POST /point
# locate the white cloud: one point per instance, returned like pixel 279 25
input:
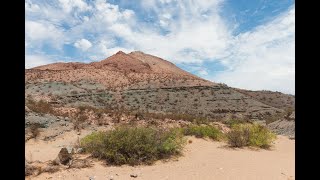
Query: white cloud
pixel 263 58
pixel 38 33
pixel 83 44
pixel 69 5
pixel 36 60
pixel 189 32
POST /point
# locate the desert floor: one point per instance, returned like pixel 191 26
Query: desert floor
pixel 202 159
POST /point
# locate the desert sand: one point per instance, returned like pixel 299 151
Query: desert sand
pixel 202 159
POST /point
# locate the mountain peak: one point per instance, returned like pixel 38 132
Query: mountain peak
pixel 121 52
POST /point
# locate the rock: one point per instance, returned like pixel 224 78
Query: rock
pixel 134 175
pixel 283 127
pixel 292 116
pixel 70 150
pixel 79 150
pixel 27 109
pixel 91 178
pixel 79 163
pixel 111 178
pixel 64 156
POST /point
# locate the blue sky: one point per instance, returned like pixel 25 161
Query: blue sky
pixel 244 43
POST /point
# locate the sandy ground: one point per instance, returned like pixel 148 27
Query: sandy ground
pixel 202 159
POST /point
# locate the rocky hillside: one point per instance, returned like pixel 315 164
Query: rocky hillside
pixel 141 82
pixel 274 99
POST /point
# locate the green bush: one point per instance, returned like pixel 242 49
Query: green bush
pixel 250 135
pixel 232 122
pixel 203 131
pixel 133 145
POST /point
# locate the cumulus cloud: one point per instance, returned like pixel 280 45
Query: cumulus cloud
pixel 39 33
pixel 263 58
pixel 69 5
pixel 83 44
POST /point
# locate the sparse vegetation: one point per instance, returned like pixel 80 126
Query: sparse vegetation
pixel 250 135
pixel 235 121
pixel 134 145
pixel 41 106
pixel 203 132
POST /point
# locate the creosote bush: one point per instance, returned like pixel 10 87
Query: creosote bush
pixel 250 135
pixel 203 132
pixel 133 145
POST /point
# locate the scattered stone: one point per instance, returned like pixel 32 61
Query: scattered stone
pixel 134 175
pixel 79 163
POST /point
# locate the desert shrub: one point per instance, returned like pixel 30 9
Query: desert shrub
pixel 232 122
pixel 200 120
pixel 272 118
pixel 78 121
pixel 41 106
pixel 277 116
pixel 133 145
pixel 74 92
pixel 250 135
pixel 203 131
pixel 34 129
pixel 238 137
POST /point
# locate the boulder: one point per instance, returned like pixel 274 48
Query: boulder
pixel 64 156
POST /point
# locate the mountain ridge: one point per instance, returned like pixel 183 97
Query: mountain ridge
pixel 139 81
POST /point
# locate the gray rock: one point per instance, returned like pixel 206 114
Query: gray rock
pixel 70 150
pixel 79 150
pixel 64 156
pixel 292 116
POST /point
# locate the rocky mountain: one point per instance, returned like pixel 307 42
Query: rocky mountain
pixel 141 82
